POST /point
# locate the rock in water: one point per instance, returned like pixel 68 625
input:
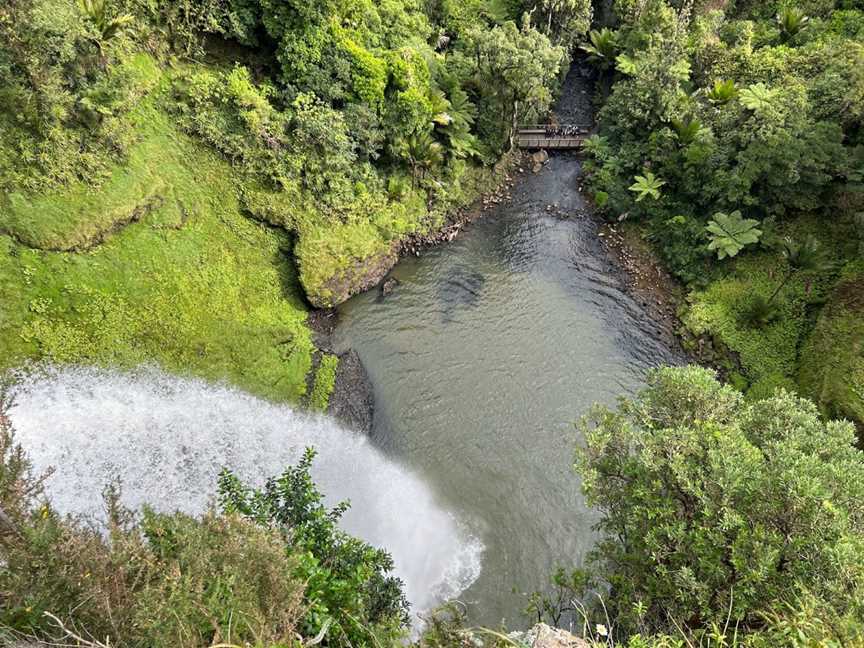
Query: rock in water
pixel 389 285
pixel 539 158
pixel 352 402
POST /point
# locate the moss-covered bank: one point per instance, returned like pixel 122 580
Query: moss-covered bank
pixel 163 262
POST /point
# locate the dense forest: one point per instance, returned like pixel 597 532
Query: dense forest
pixel 182 183
pixel 733 138
pixel 343 126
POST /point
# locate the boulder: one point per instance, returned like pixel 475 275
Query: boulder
pixel 538 159
pixel 545 636
pixel 352 402
pixel 355 277
pixel 389 285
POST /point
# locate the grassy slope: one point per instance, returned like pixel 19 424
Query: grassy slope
pixel 832 360
pixel 79 215
pixel 194 285
pixel 771 356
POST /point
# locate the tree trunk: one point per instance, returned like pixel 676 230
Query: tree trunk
pixel 780 286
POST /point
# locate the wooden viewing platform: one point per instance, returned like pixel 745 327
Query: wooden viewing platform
pixel 538 137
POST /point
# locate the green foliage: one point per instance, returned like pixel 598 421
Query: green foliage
pixel 565 22
pixel 107 26
pixel 64 94
pixel 722 92
pixel 719 312
pixel 157 580
pixel 318 108
pixel 714 508
pixel 155 182
pixel 192 285
pixel 731 233
pixel 422 152
pixel 687 130
pixel 325 380
pixel 759 311
pixel 680 241
pixel 792 21
pixel 510 70
pixel 756 97
pixel 602 47
pixel 647 186
pixel 832 358
pixel 805 258
pixel 765 129
pixel 350 594
pixel 859 226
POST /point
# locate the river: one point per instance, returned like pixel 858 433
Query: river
pixel 485 355
pixel 482 359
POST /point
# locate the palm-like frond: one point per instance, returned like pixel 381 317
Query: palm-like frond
pixel 722 92
pixel 602 47
pixel 686 129
pixel 108 26
pixel 792 21
pixel 807 256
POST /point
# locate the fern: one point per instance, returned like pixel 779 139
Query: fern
pixel 730 233
pixel 108 27
pixel 722 92
pixel 687 130
pixel 601 47
pixel 791 21
pixel 626 65
pixel 756 97
pixel 647 186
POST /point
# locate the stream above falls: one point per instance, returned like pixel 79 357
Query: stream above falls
pixel 484 356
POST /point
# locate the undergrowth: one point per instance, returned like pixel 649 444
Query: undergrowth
pixel 216 298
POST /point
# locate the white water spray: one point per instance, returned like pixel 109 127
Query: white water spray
pixel 166 438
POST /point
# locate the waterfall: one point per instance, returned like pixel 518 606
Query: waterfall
pixel 166 438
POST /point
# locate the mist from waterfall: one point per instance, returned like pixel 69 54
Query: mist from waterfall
pixel 166 438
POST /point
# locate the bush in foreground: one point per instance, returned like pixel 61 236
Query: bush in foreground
pixel 271 569
pixel 718 512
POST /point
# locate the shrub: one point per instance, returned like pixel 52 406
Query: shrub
pixel 350 593
pixel 270 569
pixel 715 508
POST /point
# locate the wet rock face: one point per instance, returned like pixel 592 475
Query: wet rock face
pixel 352 402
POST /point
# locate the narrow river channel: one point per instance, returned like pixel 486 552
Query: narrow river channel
pixel 484 356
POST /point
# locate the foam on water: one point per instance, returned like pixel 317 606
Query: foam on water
pixel 166 438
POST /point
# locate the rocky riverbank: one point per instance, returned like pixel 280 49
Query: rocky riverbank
pixel 645 278
pixel 352 399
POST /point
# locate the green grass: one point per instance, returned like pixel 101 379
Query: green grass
pixel 768 355
pixel 832 360
pixel 156 183
pixel 718 311
pixel 325 381
pixel 216 297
